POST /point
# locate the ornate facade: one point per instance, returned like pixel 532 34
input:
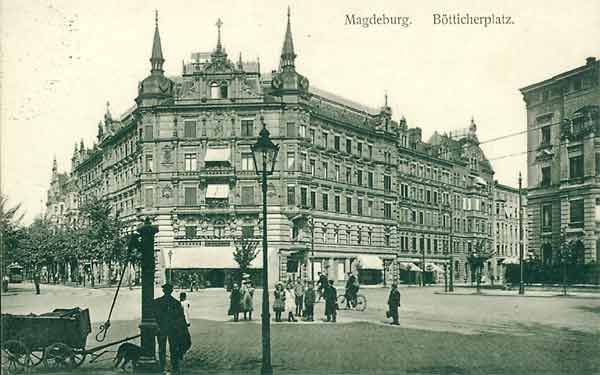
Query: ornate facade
pixel 563 143
pixel 353 189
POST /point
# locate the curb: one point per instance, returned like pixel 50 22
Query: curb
pixel 518 295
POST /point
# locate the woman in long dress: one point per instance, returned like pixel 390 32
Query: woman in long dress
pixel 279 301
pixel 247 300
pixel 235 302
pixel 290 302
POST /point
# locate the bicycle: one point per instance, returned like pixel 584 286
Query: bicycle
pixel 359 305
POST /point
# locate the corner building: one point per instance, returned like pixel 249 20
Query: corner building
pixel 563 163
pixel 182 156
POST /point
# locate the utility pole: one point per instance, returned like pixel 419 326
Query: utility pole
pixel 521 285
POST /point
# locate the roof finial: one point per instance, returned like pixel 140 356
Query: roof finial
pixel 219 24
pixel 386 98
pixel 156 17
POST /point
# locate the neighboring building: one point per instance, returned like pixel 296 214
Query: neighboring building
pixel 182 156
pixel 563 140
pixel 62 199
pixel 506 235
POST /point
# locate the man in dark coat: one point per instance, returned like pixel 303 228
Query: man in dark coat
pixel 330 295
pixel 394 303
pixel 321 285
pixel 36 281
pixel 309 302
pixel 351 290
pixel 171 326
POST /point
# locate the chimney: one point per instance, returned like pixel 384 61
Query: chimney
pixel 590 60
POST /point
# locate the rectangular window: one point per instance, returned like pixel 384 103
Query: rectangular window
pixel 387 210
pixel 291 161
pixel 370 152
pixel 248 195
pixel 149 164
pixel 336 142
pixel 313 199
pixel 291 130
pixel 247 128
pixel 359 206
pixel 325 171
pixel 148 132
pixel 337 173
pixel 336 203
pixel 576 167
pixel 428 196
pixel 370 208
pixel 359 177
pixel 189 129
pixel 546 176
pixel 190 231
pixel 149 198
pixel 302 131
pixel 386 239
pixel 247 162
pixel 303 197
pixel 303 162
pixel 348 175
pixel 312 168
pixel 370 180
pixel 291 195
pixel 190 162
pixel 421 218
pixel 359 148
pixel 190 196
pixel 325 140
pixel 325 202
pixel 576 213
pixel 546 133
pixel 312 136
pixel 349 146
pixel 348 205
pixel 387 184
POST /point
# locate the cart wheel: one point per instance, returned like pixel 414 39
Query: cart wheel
pixel 78 357
pixel 15 357
pixel 36 357
pixel 59 355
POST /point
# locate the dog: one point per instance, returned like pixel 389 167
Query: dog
pixel 128 352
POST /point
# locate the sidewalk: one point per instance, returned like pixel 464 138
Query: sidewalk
pixel 515 293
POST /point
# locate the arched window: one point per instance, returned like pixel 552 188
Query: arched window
pixel 215 91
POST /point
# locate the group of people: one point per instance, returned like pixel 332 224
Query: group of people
pixel 298 300
pixel 241 300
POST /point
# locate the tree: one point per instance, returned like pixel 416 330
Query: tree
pixel 477 260
pixel 11 232
pixel 245 252
pixel 567 255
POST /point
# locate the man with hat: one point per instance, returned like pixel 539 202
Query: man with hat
pixel 172 325
pixel 393 304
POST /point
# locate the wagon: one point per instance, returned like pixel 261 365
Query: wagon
pixel 56 340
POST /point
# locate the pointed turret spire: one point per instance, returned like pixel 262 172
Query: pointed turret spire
pixel 288 56
pixel 156 59
pixel 81 146
pixel 107 115
pixel 54 164
pixel 240 63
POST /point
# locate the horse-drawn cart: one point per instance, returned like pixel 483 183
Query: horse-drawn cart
pixel 56 340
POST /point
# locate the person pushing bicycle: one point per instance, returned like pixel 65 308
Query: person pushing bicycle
pixel 352 288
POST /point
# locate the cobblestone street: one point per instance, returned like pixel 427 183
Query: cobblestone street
pixel 448 334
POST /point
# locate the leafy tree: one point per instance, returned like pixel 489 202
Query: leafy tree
pixel 567 255
pixel 246 250
pixel 478 258
pixel 11 232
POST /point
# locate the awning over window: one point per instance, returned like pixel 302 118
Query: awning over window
pixel 207 257
pixel 409 267
pixel 218 154
pixel 217 191
pixel 510 260
pixel 432 267
pixel 478 180
pixel 370 262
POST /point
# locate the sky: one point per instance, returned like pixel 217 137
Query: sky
pixel 61 61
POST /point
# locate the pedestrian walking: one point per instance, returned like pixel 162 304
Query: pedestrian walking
pixel 290 303
pixel 172 327
pixel 186 305
pixel 309 302
pixel 36 281
pixel 247 300
pixel 393 304
pixel 5 281
pixel 279 301
pixel 330 295
pixel 299 292
pixel 235 300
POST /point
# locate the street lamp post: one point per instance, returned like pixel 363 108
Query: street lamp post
pixel 312 248
pixel 521 285
pixel 264 154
